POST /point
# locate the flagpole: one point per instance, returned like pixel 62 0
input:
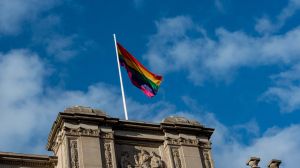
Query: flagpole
pixel 121 81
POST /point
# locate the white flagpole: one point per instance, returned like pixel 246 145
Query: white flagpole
pixel 121 81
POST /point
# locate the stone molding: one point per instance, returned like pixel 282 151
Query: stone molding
pixel 80 114
pixel 56 143
pixel 27 160
pixel 28 163
pixel 107 135
pixel 84 110
pixel 72 132
pixel 205 145
pixel 180 120
pixel 81 132
pixel 181 141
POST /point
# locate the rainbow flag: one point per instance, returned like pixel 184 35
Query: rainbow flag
pixel 140 76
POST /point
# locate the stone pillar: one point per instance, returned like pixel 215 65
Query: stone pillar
pixel 107 143
pixel 253 162
pixel 185 146
pixel 205 147
pixel 74 141
pixel 174 151
pixel 274 163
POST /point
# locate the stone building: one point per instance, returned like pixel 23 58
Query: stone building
pixel 83 137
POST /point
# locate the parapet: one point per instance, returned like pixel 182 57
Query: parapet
pixel 90 138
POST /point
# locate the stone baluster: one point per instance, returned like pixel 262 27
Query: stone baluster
pixel 253 162
pixel 274 163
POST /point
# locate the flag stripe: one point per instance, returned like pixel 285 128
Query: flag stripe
pixel 133 63
pixel 138 74
pixel 141 78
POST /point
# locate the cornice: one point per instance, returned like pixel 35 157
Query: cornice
pixel 96 117
pixel 77 118
pixel 189 129
pixel 28 160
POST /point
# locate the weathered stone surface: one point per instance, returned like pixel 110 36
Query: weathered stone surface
pixel 82 137
pixel 17 160
pixel 84 110
pixel 274 163
pixel 253 162
pixel 180 120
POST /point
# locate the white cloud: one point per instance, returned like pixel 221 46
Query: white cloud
pixel 13 13
pixel 28 106
pixel 62 47
pixel 181 45
pixel 231 152
pixel 283 144
pixel 221 5
pixel 286 89
pixel 264 25
pixel 172 48
pixel 138 3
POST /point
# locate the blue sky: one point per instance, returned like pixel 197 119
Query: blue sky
pixel 232 65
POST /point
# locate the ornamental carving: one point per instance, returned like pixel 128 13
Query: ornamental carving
pixel 156 161
pixel 107 135
pixel 207 159
pixel 108 158
pixel 205 145
pixel 125 160
pixel 182 141
pixel 141 160
pixel 81 131
pixel 172 141
pixel 176 158
pixel 57 141
pixel 74 154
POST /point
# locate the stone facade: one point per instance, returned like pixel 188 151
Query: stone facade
pixel 82 137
